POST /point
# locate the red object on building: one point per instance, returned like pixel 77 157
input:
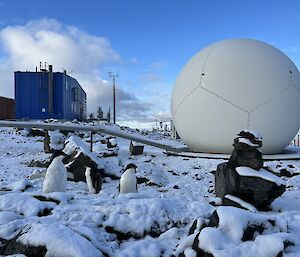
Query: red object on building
pixel 7 108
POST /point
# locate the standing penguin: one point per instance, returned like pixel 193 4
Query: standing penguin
pixel 94 179
pixel 128 183
pixel 56 175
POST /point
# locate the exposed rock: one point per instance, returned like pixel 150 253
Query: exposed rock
pixel 39 163
pixel 251 230
pixel 47 143
pixel 189 245
pixel 254 137
pixel 44 212
pixel 191 248
pixel 283 170
pixel 154 231
pixel 78 158
pixel 247 157
pixel 136 148
pixel 221 227
pixel 245 151
pixel 255 190
pixel 197 225
pixel 110 152
pixel 53 140
pixel 141 180
pixel 36 133
pixel 46 199
pixel 243 177
pixel 198 250
pixel 112 142
pixel 10 247
pixel 102 149
pixel 20 185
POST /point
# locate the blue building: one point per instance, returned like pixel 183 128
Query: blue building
pixel 46 94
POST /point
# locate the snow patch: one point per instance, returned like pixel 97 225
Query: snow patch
pixel 261 173
pixel 60 241
pixel 247 142
pixel 74 143
pixel 23 203
pixel 241 202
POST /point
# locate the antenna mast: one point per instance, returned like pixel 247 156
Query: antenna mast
pixel 114 76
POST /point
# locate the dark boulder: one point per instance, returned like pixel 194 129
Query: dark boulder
pixel 254 188
pixel 76 164
pixel 247 157
pixel 136 148
pixel 36 133
pixel 78 158
pixel 245 151
pixel 254 138
pixel 10 247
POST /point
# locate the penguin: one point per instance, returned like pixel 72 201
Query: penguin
pixel 94 179
pixel 128 182
pixel 56 175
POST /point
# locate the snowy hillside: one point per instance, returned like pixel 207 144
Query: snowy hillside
pixel 175 200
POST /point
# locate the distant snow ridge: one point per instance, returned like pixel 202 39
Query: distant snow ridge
pixel 56 177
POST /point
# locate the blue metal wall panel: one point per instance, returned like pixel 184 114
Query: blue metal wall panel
pixel 31 95
pixel 26 95
pixel 58 96
pixel 73 105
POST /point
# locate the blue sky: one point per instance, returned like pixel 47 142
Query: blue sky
pixel 147 42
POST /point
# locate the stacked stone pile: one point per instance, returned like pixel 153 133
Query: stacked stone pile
pixel 243 176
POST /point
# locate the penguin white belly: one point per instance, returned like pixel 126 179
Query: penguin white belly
pixel 128 182
pixel 89 180
pixel 56 177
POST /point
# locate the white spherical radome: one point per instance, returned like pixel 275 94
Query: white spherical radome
pixel 232 85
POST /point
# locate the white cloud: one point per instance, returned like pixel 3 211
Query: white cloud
pixel 66 47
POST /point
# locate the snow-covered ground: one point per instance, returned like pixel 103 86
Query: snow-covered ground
pixel 173 192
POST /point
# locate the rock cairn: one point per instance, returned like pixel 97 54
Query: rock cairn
pixel 245 151
pixel 243 176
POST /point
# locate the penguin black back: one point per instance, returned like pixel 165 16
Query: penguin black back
pixel 130 166
pixel 55 154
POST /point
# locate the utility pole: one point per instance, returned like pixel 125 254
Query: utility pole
pixel 114 76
